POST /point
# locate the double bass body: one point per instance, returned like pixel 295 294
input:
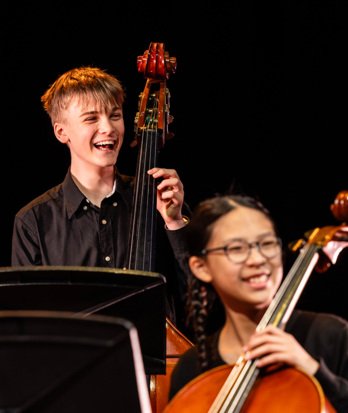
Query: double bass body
pixel 176 344
pixel 152 131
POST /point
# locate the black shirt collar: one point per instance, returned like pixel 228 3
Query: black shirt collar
pixel 75 199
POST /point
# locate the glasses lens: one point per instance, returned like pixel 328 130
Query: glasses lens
pixel 269 247
pixel 238 251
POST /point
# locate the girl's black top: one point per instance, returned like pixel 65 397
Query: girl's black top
pixel 324 336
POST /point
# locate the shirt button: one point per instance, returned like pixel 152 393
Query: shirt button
pixel 103 221
pixel 85 207
pixel 114 204
pixel 107 258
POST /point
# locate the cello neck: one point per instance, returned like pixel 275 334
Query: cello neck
pixel 289 292
pixel 320 251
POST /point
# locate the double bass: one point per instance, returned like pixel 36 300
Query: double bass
pixel 243 387
pixel 151 132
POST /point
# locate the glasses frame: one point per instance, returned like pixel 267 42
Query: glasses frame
pixel 251 245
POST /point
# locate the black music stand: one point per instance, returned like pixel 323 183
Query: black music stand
pixel 137 296
pixel 54 362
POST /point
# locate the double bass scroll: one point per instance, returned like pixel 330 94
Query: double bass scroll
pixel 151 131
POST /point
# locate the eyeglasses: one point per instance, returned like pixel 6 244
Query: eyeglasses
pixel 238 251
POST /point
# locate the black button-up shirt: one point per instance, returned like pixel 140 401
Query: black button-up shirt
pixel 61 227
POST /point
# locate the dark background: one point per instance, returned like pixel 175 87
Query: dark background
pixel 259 101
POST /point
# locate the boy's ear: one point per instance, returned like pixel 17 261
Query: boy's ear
pixel 59 131
pixel 199 269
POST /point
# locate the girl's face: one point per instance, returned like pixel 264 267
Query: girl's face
pixel 252 283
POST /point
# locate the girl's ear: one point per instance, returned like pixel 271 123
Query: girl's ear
pixel 199 268
pixel 59 131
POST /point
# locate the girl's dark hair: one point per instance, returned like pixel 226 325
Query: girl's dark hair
pixel 205 313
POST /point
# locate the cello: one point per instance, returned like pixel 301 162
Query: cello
pixel 151 131
pixel 243 387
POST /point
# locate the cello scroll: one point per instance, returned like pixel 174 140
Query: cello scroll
pixel 329 241
pixel 339 207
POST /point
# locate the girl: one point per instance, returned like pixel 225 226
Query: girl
pixel 236 255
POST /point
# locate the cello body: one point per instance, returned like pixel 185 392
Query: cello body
pixel 285 390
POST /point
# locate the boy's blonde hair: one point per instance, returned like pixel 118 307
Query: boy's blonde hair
pixel 84 83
